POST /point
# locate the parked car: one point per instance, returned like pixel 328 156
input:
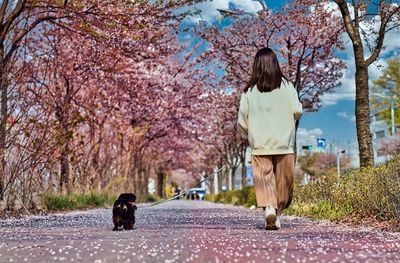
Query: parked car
pixel 196 194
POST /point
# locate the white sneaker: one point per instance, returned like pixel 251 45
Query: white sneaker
pixel 270 218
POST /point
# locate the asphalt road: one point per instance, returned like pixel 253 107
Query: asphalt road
pixel 190 231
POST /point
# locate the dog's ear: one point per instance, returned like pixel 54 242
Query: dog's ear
pixel 134 197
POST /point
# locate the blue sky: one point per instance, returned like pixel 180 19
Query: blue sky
pixel 335 121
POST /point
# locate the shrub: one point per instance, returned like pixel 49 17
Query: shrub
pixel 361 193
pixel 245 196
pixel 367 192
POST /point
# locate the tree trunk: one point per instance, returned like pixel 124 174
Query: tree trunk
pixel 143 182
pixel 243 161
pixel 220 178
pixel 120 156
pixel 3 131
pixel 65 184
pixel 139 188
pixel 64 170
pixel 130 185
pixel 146 181
pixel 136 179
pixel 3 123
pixel 211 184
pixel 362 111
pixel 95 178
pixel 160 184
pixel 226 176
pixel 233 176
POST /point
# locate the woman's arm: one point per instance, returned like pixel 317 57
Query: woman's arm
pixel 243 116
pixel 296 104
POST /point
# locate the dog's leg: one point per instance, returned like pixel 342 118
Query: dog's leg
pixel 130 225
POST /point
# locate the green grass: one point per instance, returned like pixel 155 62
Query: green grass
pixel 64 202
pixel 56 202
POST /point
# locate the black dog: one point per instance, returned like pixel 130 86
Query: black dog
pixel 124 211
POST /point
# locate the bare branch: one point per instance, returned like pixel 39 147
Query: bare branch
pixel 3 11
pixel 14 15
pixel 381 35
pixel 23 33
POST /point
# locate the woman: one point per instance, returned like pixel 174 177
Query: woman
pixel 269 108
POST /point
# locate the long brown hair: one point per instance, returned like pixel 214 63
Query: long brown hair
pixel 267 74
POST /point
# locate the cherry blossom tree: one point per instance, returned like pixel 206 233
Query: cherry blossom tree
pixel 302 36
pixel 110 32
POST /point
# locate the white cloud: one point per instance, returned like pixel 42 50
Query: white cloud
pixel 308 137
pixel 209 10
pixel 347 90
pixel 342 114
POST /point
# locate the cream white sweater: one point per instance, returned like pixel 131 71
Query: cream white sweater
pixel 267 119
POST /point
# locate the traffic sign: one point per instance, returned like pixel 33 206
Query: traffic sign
pixel 321 144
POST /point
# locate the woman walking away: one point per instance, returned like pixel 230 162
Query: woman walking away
pixel 269 108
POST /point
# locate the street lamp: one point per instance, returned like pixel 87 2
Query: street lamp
pixel 391 109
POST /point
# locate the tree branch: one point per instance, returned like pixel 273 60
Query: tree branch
pixel 3 12
pixel 381 35
pixel 344 10
pixel 23 33
pixel 16 13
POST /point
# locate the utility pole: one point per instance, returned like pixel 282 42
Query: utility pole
pixel 392 113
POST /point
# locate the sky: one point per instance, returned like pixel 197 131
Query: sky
pixel 336 119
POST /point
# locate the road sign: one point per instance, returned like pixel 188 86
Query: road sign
pixel 321 144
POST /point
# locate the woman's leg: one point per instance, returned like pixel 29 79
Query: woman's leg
pixel 284 175
pixel 264 181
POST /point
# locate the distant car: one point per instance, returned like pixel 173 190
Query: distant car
pixel 196 194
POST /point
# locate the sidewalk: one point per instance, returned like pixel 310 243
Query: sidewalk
pixel 190 231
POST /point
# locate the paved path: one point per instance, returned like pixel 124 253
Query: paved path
pixel 189 231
